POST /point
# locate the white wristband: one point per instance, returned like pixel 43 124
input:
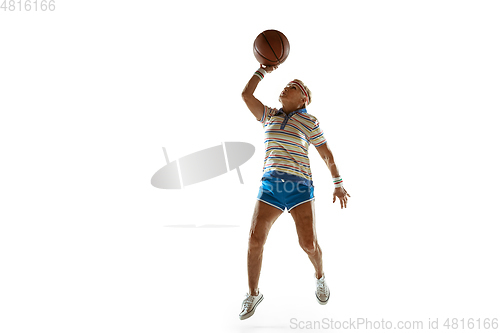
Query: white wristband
pixel 338 182
pixel 260 73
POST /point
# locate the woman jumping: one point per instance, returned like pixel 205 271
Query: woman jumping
pixel 287 180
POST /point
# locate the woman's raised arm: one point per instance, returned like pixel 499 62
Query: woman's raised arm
pixel 253 104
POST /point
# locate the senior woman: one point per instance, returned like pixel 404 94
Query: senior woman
pixel 287 180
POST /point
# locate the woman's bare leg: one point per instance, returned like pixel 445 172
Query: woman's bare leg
pixel 305 222
pixel 263 218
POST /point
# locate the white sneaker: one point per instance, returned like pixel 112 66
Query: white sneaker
pixel 322 291
pixel 249 304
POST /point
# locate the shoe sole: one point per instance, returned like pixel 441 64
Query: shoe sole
pixel 248 315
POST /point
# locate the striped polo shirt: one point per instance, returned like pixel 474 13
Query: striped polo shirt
pixel 287 139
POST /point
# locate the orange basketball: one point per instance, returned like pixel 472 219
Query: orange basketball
pixel 271 48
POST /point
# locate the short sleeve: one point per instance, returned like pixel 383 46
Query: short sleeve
pixel 317 137
pixel 267 114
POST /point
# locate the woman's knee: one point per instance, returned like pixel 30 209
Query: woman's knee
pixel 310 246
pixel 256 240
pixel 259 231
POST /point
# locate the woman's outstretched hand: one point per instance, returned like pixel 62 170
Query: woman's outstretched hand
pixel 342 194
pixel 268 69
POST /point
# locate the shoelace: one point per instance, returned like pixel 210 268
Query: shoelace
pixel 321 286
pixel 247 303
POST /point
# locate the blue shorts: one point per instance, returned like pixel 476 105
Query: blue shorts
pixel 283 194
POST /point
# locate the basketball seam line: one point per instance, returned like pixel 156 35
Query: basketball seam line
pixel 277 59
pixel 263 56
pixel 282 48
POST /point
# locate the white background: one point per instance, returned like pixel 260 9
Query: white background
pixel 407 93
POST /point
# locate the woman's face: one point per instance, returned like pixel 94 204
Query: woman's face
pixel 291 94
